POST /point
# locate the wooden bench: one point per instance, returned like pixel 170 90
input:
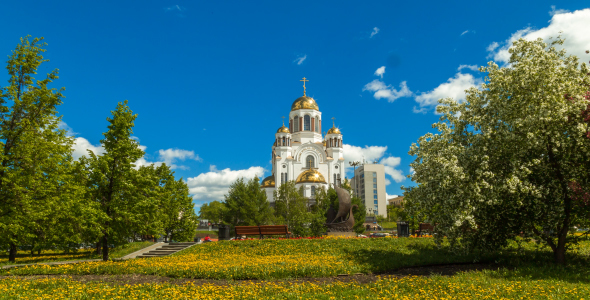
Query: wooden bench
pixel 424 227
pixel 262 230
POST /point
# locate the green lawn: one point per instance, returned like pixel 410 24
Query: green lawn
pixel 525 272
pixel 25 257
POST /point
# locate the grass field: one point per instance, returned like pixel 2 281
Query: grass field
pixel 275 265
pixel 25 257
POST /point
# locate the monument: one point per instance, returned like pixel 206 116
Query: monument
pixel 341 222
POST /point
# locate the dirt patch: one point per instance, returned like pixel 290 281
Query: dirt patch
pixel 132 279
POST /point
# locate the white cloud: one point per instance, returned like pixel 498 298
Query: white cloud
pixel 372 154
pixel 214 184
pixel 454 87
pixel 380 71
pixel 81 147
pixel 412 171
pixel 554 11
pixel 470 67
pixel 572 25
pixel 422 110
pixel 300 59
pixel 464 32
pixel 389 164
pixel 174 8
pixel 374 32
pixel 390 196
pixel 492 46
pixel 387 91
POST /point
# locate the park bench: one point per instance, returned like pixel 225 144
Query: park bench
pixel 262 230
pixel 424 228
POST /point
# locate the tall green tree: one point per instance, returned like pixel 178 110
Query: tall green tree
pixel 125 199
pixel 246 204
pixel 292 208
pixel 35 156
pixel 177 211
pixel 503 161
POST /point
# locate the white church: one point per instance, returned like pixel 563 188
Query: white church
pixel 300 152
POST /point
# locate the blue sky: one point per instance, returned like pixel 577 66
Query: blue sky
pixel 210 80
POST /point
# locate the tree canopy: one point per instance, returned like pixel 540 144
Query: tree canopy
pixel 509 159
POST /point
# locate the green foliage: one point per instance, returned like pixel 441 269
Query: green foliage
pixel 504 160
pixel 126 199
pixel 292 208
pixel 39 200
pixel 246 204
pixel 213 211
pixel 176 208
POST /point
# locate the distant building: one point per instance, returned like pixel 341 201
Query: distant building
pixel 368 184
pixel 397 201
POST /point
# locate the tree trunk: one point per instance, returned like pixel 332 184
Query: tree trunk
pixel 559 255
pixel 39 251
pixel 98 248
pixel 12 253
pixel 105 248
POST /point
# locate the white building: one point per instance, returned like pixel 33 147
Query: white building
pixel 300 152
pixel 368 184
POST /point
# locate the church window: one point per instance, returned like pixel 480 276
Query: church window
pixel 338 179
pixel 309 162
pixel 335 180
pixel 317 125
pixel 296 123
pixel 313 191
pixel 307 123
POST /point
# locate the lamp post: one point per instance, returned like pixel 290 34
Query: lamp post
pixel 354 164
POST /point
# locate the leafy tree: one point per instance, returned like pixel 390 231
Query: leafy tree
pixel 319 212
pixel 127 200
pixel 177 210
pixel 292 208
pixel 36 186
pixel 504 160
pixel 246 204
pixel 213 211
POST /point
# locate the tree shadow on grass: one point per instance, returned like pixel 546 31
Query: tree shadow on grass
pixel 426 259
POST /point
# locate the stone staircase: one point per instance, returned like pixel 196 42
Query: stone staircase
pixel 166 249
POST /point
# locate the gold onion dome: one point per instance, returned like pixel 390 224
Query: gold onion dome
pixel 311 175
pixel 334 130
pixel 268 182
pixel 304 102
pixel 283 129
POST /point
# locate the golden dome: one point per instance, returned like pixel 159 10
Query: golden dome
pixel 304 102
pixel 334 130
pixel 311 175
pixel 283 129
pixel 268 182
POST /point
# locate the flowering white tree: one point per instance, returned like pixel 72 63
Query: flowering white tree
pixel 514 157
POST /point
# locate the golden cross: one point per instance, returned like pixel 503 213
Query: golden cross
pixel 283 120
pixel 309 163
pixel 304 81
pixel 333 122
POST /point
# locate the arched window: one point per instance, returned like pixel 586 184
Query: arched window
pixel 307 123
pixel 309 161
pixel 317 125
pixel 296 124
pixel 313 190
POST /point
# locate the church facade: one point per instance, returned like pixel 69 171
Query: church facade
pixel 301 153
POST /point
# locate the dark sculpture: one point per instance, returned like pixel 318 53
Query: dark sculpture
pixel 338 221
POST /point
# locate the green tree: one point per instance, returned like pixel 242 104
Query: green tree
pixel 292 208
pixel 177 210
pixel 246 204
pixel 504 160
pixel 213 211
pixel 127 201
pixel 36 186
